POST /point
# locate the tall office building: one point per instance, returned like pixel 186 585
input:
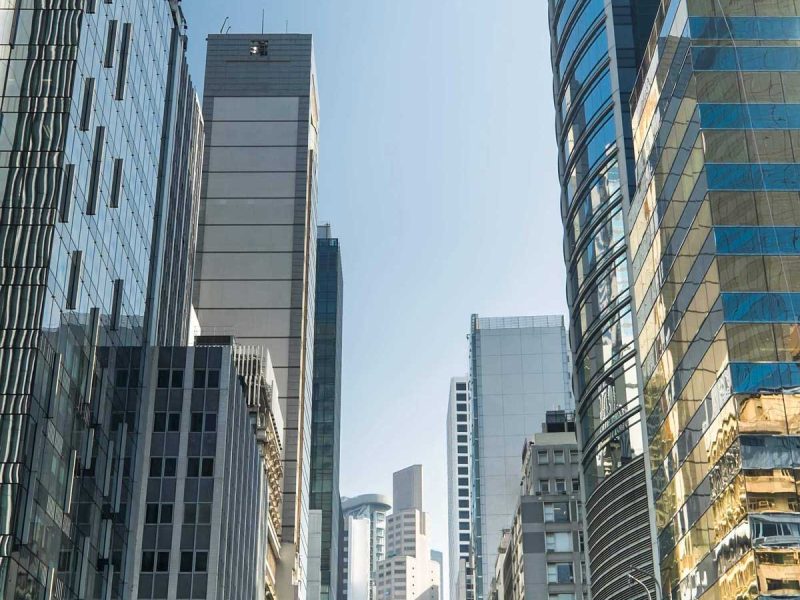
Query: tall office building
pixel 205 508
pixel 519 368
pixel 716 270
pixel 326 417
pixel 408 572
pixel 257 236
pixel 88 139
pixel 543 550
pixel 438 558
pixel 364 544
pixel 596 49
pixel 459 448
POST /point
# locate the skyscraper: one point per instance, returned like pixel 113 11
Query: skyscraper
pixel 256 262
pixel 519 368
pixel 88 136
pixel 326 414
pixel 459 446
pixel 365 543
pixel 596 48
pixel 716 270
pixel 408 572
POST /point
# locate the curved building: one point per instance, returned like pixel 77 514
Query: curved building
pixel 364 543
pixel 594 45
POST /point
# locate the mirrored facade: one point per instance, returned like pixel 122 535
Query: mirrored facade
pixel 595 47
pixel 86 105
pixel 326 416
pixel 714 225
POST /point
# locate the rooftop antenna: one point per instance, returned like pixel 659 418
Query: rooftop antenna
pixel 287 25
pixel 223 24
pixel 228 29
pixel 262 21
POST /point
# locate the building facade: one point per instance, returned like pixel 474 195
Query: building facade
pixel 88 136
pixel 256 262
pixel 408 572
pixel 326 415
pixel 714 226
pixel 543 553
pixel 459 463
pixel 364 544
pixel 519 368
pixel 596 47
pixel 204 515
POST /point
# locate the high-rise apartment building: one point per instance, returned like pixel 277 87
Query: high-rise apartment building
pixel 519 368
pixel 716 273
pixel 596 48
pixel 364 544
pixel 326 417
pixel 543 550
pixel 89 132
pixel 257 236
pixel 408 572
pixel 207 497
pixel 459 452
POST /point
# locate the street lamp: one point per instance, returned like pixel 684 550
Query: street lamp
pixel 633 578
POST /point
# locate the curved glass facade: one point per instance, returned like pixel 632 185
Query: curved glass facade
pixel 715 224
pixel 593 74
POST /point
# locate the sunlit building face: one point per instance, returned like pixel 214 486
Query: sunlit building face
pixel 714 248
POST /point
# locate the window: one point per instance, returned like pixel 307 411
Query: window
pixel 556 512
pixel 116 183
pixel 199 378
pixel 576 485
pixel 544 486
pixel 463 514
pixel 461 387
pixel 201 561
pixel 170 467
pixel 73 285
pixel 213 378
pixel 189 513
pixel 174 422
pixel 462 460
pixel 558 457
pixel 116 306
pixel 463 470
pixel 155 467
pixel 111 40
pixel 463 526
pixel 124 51
pixel 463 481
pixel 160 421
pixel 177 378
pixel 162 562
pixel 462 439
pixel 151 513
pixel 461 407
pixel 461 418
pixel 561 486
pixel 186 562
pixel 87 104
pixel 541 457
pixel 148 561
pixel 462 428
pixel 166 513
pixel 559 573
pixel 163 378
pixel 211 422
pixel 96 170
pixel 193 467
pixel 463 504
pixel 197 422
pixel 208 467
pixel 558 542
pixel 67 187
pixel 573 456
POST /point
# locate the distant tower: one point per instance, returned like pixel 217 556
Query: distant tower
pixel 364 544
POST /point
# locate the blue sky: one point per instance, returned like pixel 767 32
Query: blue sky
pixel 438 173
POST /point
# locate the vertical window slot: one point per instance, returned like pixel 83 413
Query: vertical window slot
pixel 111 42
pixel 91 6
pixel 116 183
pixel 88 103
pixel 124 51
pixel 67 190
pixel 97 166
pixel 74 279
pixel 116 307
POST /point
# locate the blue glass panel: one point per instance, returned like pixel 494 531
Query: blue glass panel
pixel 750 58
pixel 592 56
pixel 745 28
pixel 761 307
pixel 762 176
pixel 755 116
pixel 770 451
pixel 567 9
pixel 750 378
pixel 757 240
pixel 590 13
pixel 598 97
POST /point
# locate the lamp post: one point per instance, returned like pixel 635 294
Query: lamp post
pixel 634 578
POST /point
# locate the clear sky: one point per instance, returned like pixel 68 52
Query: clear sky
pixel 438 173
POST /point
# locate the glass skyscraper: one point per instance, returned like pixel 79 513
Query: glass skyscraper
pixel 87 138
pixel 519 369
pixel 715 225
pixel 327 403
pixel 596 47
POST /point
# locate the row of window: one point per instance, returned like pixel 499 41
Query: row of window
pixel 203 378
pixel 158 562
pixel 171 422
pixel 543 457
pixel 193 513
pixel 557 486
pixel 195 467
